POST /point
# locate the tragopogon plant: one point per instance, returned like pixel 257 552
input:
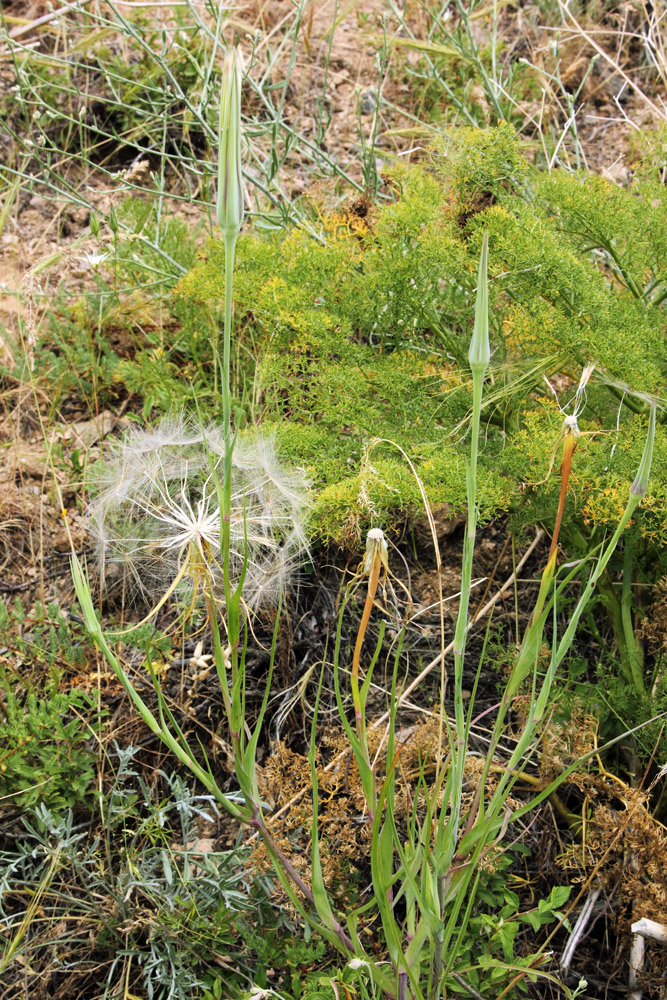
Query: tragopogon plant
pixel 224 517
pixel 426 867
pixel 230 220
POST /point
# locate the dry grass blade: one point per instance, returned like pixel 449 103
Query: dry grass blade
pixel 40 22
pixel 568 16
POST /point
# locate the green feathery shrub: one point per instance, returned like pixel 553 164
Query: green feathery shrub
pixel 364 336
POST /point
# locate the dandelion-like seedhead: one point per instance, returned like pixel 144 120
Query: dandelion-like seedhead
pixel 157 515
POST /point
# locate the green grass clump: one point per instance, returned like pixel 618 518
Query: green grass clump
pixel 103 98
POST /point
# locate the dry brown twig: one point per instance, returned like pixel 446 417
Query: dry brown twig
pixel 39 22
pixel 568 16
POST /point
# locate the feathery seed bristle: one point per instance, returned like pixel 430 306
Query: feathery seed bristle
pixel 158 507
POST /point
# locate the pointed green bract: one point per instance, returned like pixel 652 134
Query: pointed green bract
pixel 640 483
pixel 479 354
pixel 230 177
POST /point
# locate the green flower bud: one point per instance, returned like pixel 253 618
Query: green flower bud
pixel 479 354
pixel 230 179
pixel 640 484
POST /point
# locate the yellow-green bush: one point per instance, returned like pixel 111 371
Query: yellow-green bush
pixel 365 335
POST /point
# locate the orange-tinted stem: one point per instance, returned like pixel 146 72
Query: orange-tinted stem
pixel 373 581
pixel 568 450
pixel 547 576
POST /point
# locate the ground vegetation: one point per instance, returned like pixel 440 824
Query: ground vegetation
pixel 333 630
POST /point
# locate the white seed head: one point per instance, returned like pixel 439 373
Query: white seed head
pixel 159 507
pixel 571 426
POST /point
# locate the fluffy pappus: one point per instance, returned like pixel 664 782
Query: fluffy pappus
pixel 156 517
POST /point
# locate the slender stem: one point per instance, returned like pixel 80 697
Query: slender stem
pixel 566 465
pixel 220 665
pixel 613 608
pixel 281 859
pixel 232 598
pixel 466 577
pixel 363 625
pixel 230 247
pixel 634 652
pixel 550 568
pixel 458 749
pixel 471 529
pixel 568 635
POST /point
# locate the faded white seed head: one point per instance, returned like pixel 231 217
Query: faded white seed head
pixel 376 551
pixel 158 508
pixel 571 426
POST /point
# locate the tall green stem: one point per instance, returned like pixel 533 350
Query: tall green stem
pixel 230 248
pixel 447 837
pixel 232 596
pixel 634 650
pixel 458 754
pixel 479 357
pixel 229 214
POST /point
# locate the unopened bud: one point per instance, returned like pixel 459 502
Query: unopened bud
pixel 230 179
pixel 479 354
pixel 640 485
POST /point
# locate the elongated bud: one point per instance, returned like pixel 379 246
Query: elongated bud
pixel 479 354
pixel 640 485
pixel 230 179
